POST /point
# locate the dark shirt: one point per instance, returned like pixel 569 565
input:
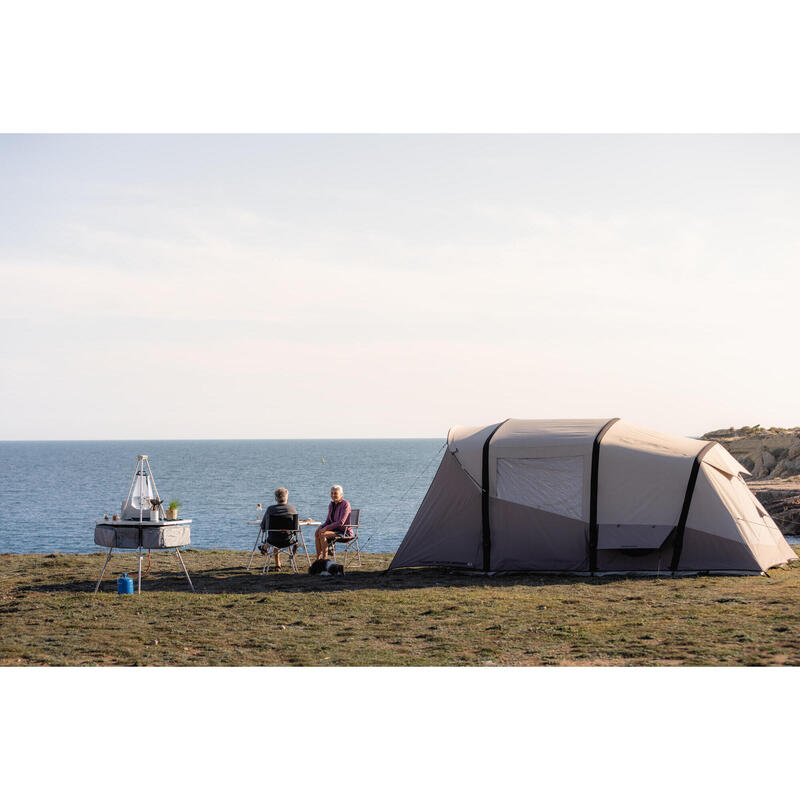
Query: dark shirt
pixel 277 510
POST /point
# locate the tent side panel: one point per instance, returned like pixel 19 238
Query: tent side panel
pixel 704 551
pixel 446 530
pixel 761 532
pixel 633 560
pixel 642 480
pixel 701 552
pixel 525 538
pixel 728 497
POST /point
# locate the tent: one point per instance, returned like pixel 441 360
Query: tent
pixel 589 496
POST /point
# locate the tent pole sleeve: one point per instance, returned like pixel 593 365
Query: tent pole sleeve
pixel 680 530
pixel 593 526
pixel 487 533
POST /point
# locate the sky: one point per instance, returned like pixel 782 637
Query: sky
pixel 265 286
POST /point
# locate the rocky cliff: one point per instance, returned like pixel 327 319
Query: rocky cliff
pixel 767 452
pixel 781 499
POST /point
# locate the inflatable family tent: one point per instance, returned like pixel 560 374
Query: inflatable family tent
pixel 589 496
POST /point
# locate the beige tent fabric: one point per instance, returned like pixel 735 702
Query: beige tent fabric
pixel 708 511
pixel 720 458
pixel 539 490
pixel 552 542
pixel 541 437
pixel 540 440
pixel 643 476
pixel 467 445
pixel 447 528
pixel 705 552
pixel 752 523
pixel 652 442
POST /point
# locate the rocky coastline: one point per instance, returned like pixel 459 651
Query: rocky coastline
pixel 773 457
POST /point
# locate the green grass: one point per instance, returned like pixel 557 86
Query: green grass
pixel 48 615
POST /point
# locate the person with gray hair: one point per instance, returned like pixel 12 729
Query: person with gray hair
pixel 335 524
pixel 281 508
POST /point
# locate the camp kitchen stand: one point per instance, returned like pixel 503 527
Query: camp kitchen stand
pixel 141 525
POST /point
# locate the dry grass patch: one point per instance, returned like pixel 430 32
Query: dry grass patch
pixel 413 617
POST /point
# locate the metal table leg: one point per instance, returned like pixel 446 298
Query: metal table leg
pixel 258 538
pixel 185 571
pixel 102 571
pixel 302 539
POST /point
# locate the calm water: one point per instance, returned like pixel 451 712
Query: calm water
pixel 51 492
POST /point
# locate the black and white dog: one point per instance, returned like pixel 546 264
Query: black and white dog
pixel 324 566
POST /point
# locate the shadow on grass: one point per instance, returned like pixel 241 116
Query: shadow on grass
pixel 235 580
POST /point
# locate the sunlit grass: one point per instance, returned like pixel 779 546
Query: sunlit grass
pixel 48 615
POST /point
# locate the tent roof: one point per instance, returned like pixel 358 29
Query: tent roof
pixel 552 437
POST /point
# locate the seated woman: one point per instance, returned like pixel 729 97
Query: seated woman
pixel 335 524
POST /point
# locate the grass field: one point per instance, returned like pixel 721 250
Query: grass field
pixel 48 615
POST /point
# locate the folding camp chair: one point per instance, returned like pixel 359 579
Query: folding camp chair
pixel 281 535
pixel 348 541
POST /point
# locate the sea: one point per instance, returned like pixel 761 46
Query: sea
pixel 52 493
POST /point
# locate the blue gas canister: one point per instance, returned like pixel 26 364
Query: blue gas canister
pixel 124 584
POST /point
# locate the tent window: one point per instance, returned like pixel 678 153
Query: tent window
pixel 549 484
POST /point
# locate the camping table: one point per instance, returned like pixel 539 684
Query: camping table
pixel 126 542
pixel 300 525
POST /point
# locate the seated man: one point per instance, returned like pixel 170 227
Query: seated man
pixel 280 509
pixel 335 524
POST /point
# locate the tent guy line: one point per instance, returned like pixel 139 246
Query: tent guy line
pixel 406 493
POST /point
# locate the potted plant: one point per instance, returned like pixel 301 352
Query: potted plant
pixel 172 509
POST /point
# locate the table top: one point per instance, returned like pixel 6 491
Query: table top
pixel 301 522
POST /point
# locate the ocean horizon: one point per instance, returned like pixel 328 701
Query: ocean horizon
pixel 52 492
pixel 233 439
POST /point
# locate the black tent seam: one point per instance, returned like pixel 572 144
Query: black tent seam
pixel 680 529
pixel 485 527
pixel 594 528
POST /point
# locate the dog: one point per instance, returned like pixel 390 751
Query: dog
pixel 324 566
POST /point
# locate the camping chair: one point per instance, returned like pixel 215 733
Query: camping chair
pixel 281 535
pixel 347 541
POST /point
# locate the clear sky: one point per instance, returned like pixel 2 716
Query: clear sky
pixel 301 286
